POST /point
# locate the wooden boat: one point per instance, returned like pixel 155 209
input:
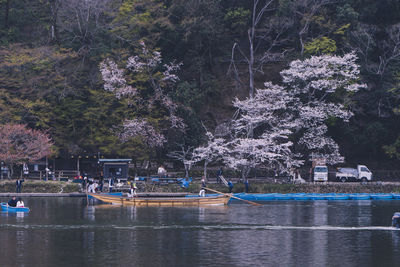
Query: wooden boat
pixel 163 201
pixel 5 207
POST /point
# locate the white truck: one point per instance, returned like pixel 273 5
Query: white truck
pixel 362 173
pixel 320 173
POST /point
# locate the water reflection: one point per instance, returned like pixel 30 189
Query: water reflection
pixel 89 213
pixel 280 233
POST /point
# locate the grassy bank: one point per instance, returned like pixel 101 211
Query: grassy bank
pixel 40 187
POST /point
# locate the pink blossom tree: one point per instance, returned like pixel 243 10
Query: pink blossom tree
pixel 145 81
pixel 19 144
pixel 215 149
pixel 267 124
pixel 184 155
pixel 269 116
pixel 315 83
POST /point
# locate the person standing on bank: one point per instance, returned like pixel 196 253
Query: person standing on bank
pixel 219 174
pixel 246 186
pixel 18 184
pixel 230 185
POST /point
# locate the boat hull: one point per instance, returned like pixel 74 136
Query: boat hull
pixel 5 207
pixel 164 201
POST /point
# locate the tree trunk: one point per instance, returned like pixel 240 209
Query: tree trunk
pixel 251 53
pixel 10 172
pixel 245 172
pixel 205 169
pixel 7 11
pixel 54 6
pixel 186 170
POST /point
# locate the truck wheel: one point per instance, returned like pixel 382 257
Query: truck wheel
pixel 343 179
pixel 364 180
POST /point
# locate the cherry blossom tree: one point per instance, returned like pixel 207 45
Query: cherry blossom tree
pixel 214 150
pixel 142 128
pixel 267 116
pixel 266 125
pixel 315 83
pixel 183 155
pixel 145 81
pixel 19 144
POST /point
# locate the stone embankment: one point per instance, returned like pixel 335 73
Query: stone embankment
pixel 54 188
pixel 9 186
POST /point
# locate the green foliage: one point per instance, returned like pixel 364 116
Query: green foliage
pixel 37 72
pixel 14 109
pixel 342 30
pixel 285 7
pixel 55 84
pixel 346 13
pixel 141 20
pixel 322 45
pixel 393 150
pixel 237 19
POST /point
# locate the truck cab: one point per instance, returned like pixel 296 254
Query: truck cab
pixel 320 173
pixel 364 174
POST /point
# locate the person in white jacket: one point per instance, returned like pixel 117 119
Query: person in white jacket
pixel 20 203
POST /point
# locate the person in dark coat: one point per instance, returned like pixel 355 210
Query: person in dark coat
pixel 18 184
pixel 101 184
pixel 246 186
pixel 12 202
pixel 230 185
pixel 219 174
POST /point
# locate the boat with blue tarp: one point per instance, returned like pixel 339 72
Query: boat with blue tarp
pixel 382 196
pixel 360 197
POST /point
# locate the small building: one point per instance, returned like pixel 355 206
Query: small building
pixel 115 168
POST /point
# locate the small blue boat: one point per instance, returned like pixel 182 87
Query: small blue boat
pixel 337 197
pixel 360 196
pixel 381 196
pixel 317 197
pixel 301 196
pixel 5 207
pixel 283 197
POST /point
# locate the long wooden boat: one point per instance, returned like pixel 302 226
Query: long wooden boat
pixel 163 201
pixel 5 207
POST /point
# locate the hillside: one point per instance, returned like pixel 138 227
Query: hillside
pixel 51 52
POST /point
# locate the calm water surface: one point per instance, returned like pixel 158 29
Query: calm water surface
pixel 65 232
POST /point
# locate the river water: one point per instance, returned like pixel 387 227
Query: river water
pixel 66 232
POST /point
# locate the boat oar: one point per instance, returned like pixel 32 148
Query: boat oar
pixel 232 196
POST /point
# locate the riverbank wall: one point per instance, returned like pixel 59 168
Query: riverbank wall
pixel 54 187
pixel 348 188
pixel 9 186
